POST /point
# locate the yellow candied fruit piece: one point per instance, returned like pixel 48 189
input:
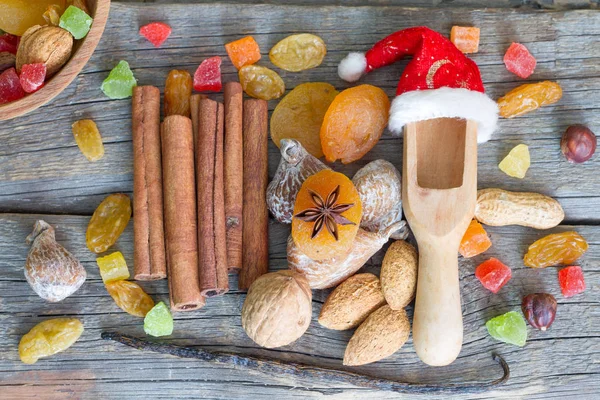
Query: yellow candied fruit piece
pixel 88 139
pixel 517 162
pixel 113 267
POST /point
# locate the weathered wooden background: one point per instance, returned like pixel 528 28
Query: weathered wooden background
pixel 43 175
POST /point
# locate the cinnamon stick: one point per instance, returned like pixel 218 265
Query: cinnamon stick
pixel 148 230
pixel 179 189
pixel 234 171
pixel 194 103
pixel 212 250
pixel 255 224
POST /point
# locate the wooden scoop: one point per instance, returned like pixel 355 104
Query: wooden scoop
pixel 439 190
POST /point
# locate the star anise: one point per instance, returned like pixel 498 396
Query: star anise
pixel 326 214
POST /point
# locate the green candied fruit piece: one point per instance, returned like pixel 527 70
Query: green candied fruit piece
pixel 76 21
pixel 508 328
pixel 158 321
pixel 120 82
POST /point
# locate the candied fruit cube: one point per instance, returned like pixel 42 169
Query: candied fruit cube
pixel 571 281
pixel 113 267
pixel 208 75
pixel 156 32
pixel 244 51
pixel 493 274
pixel 10 86
pixel 32 77
pixel 76 21
pixel 465 38
pixel 158 321
pixel 519 60
pixel 517 162
pixel 120 82
pixel 508 328
pixel 9 43
pixel 475 240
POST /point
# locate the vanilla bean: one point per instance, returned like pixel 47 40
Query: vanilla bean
pixel 274 367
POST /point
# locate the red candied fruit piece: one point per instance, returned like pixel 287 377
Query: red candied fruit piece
pixel 33 77
pixel 156 32
pixel 493 274
pixel 208 75
pixel 10 86
pixel 519 60
pixel 571 281
pixel 9 43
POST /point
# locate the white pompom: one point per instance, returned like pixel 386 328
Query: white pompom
pixel 352 67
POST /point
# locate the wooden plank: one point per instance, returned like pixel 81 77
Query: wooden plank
pixel 42 170
pixel 562 360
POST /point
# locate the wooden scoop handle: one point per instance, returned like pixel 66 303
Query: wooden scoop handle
pixel 437 322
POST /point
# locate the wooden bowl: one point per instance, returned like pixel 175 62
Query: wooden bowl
pixel 82 51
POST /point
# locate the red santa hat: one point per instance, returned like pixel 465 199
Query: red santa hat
pixel 440 81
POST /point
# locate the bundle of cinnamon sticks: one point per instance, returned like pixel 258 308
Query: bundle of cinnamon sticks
pixel 199 194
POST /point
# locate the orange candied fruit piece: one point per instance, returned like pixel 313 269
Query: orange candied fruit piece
pixel 465 38
pixel 475 241
pixel 244 51
pixel 320 188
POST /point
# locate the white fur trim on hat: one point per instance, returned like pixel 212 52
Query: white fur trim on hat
pixel 352 67
pixel 419 105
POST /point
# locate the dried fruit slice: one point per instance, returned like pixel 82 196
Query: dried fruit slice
pixel 32 77
pixel 298 52
pixel 556 249
pixel 76 21
pixel 465 38
pixel 528 97
pixel 519 60
pixel 475 240
pixel 178 89
pixel 244 51
pixel 508 328
pixel 493 274
pixel 88 139
pixel 10 86
pixel 354 123
pixel 327 215
pixel 156 32
pixel 517 162
pixel 299 115
pixel 130 297
pixel 208 75
pixel 571 281
pixel 158 321
pixel 120 82
pixel 49 337
pixel 113 267
pixel 260 82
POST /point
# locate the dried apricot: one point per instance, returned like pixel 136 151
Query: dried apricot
pixel 244 51
pixel 299 115
pixel 327 215
pixel 130 297
pixel 88 139
pixel 475 241
pixel 529 97
pixel 556 249
pixel 49 337
pixel 465 38
pixel 178 90
pixel 108 222
pixel 354 123
pixel 298 52
pixel 261 82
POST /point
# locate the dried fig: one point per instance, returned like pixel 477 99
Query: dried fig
pixel 277 309
pixel 45 44
pixel 53 273
pixel 295 166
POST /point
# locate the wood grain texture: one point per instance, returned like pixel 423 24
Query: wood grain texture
pixel 82 51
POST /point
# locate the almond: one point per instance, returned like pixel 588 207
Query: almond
pixel 399 274
pixel 351 302
pixel 45 44
pixel 7 60
pixel 381 335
